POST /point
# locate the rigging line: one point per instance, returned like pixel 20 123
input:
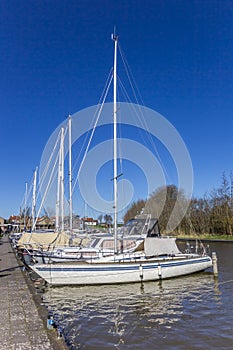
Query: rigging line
pixel 30 190
pixel 142 119
pixel 26 195
pixel 51 155
pixel 44 173
pixel 124 91
pixel 92 133
pixel 50 178
pixel 131 78
pixel 58 139
pixel 106 86
pixel 119 143
pixel 22 203
pixel 45 193
pixel 86 137
pixel 134 87
pixel 55 239
pixel 144 126
pixel 65 147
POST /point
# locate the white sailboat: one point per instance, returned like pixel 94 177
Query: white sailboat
pixel 155 258
pixel 62 245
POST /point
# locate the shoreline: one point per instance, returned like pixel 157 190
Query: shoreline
pixel 204 239
pixel 59 343
pixel 23 314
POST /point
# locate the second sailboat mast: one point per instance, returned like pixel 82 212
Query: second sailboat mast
pixel 115 39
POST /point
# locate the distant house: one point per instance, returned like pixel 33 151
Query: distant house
pixel 44 223
pixel 14 223
pixel 17 223
pixel 90 221
pixel 14 220
pixel 2 222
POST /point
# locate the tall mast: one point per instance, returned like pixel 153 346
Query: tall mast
pixel 60 185
pixel 62 179
pixel 25 204
pixel 70 175
pixel 115 39
pixel 34 200
pixel 58 193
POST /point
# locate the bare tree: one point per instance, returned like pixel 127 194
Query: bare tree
pixel 100 218
pixel 168 204
pixel 134 210
pixel 108 219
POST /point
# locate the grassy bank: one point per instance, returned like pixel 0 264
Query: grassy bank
pixel 207 237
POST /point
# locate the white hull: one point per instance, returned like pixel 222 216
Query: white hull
pixel 85 273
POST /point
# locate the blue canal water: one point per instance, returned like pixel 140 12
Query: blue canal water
pixel 192 312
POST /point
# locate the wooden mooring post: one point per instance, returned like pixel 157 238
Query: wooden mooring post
pixel 215 264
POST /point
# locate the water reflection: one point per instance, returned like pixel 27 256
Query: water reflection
pixel 132 315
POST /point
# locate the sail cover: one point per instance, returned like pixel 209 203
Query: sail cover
pixel 160 246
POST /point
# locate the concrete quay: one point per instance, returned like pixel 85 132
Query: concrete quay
pixel 23 318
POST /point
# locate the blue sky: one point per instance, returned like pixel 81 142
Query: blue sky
pixel 56 55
